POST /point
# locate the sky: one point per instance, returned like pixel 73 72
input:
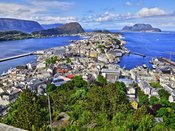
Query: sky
pixel 93 14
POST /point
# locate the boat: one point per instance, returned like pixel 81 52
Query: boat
pixel 144 66
pixel 154 66
pixel 4 74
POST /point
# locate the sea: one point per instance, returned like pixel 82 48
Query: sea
pixel 150 44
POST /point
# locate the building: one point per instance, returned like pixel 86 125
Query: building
pixel 112 75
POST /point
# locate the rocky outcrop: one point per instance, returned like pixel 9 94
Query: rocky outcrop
pixel 69 28
pixel 141 28
pixel 7 24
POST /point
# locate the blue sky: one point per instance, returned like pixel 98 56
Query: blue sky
pixel 93 14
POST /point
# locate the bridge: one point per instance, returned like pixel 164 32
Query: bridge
pixel 19 56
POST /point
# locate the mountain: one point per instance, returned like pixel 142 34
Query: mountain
pixel 141 28
pixel 50 26
pixel 69 28
pixel 7 24
pixel 14 35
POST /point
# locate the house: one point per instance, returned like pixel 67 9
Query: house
pixel 134 104
pixel 126 81
pixel 58 81
pixel 145 87
pixel 6 98
pixel 131 91
pixel 154 92
pixel 158 119
pixel 111 75
pixel 171 98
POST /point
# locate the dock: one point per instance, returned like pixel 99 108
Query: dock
pixel 139 54
pixel 167 60
pixel 19 56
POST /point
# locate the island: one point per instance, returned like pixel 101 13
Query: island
pixel 141 28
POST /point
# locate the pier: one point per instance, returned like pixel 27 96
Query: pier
pixel 19 56
pixel 139 54
pixel 167 60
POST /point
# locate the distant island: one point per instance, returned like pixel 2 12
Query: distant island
pixel 141 28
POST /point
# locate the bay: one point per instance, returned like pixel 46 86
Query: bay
pixel 150 44
pixel 12 48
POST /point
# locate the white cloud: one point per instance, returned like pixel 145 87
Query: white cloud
pixel 147 12
pixel 40 11
pixel 107 17
pixel 52 19
pixel 52 4
pixel 18 10
pixel 128 3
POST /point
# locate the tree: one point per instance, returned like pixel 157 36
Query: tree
pixel 143 98
pixel 79 82
pixel 153 100
pixel 102 80
pixel 163 94
pixel 162 112
pixel 50 88
pixel 26 112
pixel 159 127
pixel 155 85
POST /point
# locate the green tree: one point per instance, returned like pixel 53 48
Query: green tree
pixel 153 100
pixel 159 127
pixel 79 82
pixel 143 98
pixel 162 112
pixel 164 94
pixel 102 80
pixel 50 88
pixel 26 112
pixel 155 85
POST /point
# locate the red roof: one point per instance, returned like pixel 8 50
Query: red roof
pixel 70 76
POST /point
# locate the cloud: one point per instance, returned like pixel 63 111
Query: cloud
pixel 51 19
pixel 52 4
pixel 36 10
pixel 107 17
pixel 128 3
pixel 148 12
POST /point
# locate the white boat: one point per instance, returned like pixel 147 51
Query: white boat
pixel 4 74
pixel 153 66
pixel 144 66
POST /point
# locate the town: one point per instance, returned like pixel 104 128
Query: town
pixel 96 54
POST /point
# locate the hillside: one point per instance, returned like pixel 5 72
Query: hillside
pixel 13 35
pixel 69 28
pixel 7 24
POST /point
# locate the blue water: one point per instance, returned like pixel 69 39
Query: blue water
pixel 11 48
pixel 150 44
